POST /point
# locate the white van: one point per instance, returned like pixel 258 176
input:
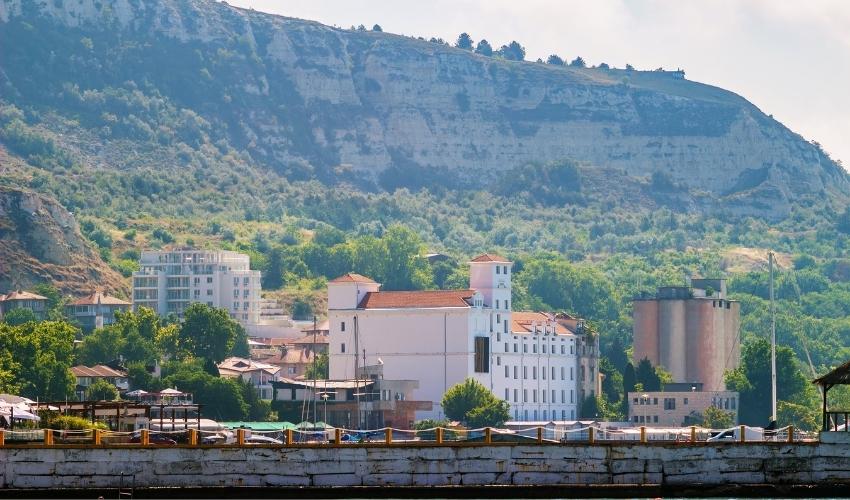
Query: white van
pixel 734 435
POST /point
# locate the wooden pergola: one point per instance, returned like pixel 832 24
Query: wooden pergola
pixel 838 376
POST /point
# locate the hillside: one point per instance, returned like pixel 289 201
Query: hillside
pixel 41 242
pixel 130 86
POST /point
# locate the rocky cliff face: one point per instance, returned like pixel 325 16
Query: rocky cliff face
pixel 401 111
pixel 41 242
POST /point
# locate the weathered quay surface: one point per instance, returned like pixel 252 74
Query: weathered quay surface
pixel 674 467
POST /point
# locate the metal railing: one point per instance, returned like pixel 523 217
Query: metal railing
pixel 437 436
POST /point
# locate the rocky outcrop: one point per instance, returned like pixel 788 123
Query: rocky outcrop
pixel 40 242
pixel 402 111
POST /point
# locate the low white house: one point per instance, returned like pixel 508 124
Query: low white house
pixel 441 337
pixel 259 375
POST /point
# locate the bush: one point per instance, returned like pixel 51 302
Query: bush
pixel 163 235
pixel 70 423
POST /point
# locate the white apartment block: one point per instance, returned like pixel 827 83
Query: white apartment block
pixel 168 281
pixel 441 337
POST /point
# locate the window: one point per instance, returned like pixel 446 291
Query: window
pixel 498 337
pixel 245 281
pixel 197 280
pixel 534 348
pixel 209 279
pixel 505 326
pixel 524 347
pixel 563 348
pixel 235 294
pixel 342 347
pixel 209 303
pixel 507 304
pixel 553 397
pixel 342 326
pixel 544 348
pixel 572 372
pixel 534 373
pixel 655 418
pixel 498 318
pixel 245 306
pixel 209 292
pixel 497 303
pixel 498 361
pixel 197 293
pixel 482 354
pixel 235 281
pixel 534 398
pixel 507 347
pixel 236 305
pixel 685 401
pixel 544 400
pixel 516 396
pixel 497 269
pixel 525 372
pixel 507 371
pixel 525 399
pixel 669 403
pixel 734 403
pixel 507 394
pixel 543 373
pixel 504 269
pixel 515 347
pixel 572 396
pixel 245 293
pixel 563 396
pixel 515 372
pixel 553 373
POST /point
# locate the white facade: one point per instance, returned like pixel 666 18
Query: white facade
pixel 440 338
pixel 168 281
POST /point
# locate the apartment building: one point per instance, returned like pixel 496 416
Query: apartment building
pixel 440 337
pixel 19 299
pixel 169 280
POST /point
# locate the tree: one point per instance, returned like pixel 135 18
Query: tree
pixel 208 332
pixel 43 355
pixel 484 48
pixel 554 60
pixel 101 390
pixel 645 374
pixel 319 370
pixel 578 62
pixel 100 346
pixel 472 403
pixel 377 28
pixel 464 41
pixel 715 418
pixel 753 381
pixel 513 51
pixel 55 302
pixel 19 316
pixel 842 223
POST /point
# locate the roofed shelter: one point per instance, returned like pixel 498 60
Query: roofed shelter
pixel 838 376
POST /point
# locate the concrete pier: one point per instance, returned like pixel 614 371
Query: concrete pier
pixel 660 466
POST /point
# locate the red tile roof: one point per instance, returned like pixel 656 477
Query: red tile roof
pixel 521 322
pixel 416 300
pixel 490 257
pixel 309 339
pixel 19 295
pixel 96 371
pixel 99 298
pixel 352 278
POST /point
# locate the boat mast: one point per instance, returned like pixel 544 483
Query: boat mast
pixel 357 369
pixel 772 342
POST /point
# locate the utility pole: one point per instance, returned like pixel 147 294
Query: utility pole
pixel 356 369
pixel 772 342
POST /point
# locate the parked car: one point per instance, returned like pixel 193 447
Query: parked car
pixel 260 439
pixel 157 439
pixel 734 435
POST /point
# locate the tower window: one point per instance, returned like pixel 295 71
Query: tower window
pixel 342 326
pixel 497 269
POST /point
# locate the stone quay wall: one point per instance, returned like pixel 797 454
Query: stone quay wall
pixel 401 465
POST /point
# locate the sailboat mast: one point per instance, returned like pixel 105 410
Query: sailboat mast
pixel 772 342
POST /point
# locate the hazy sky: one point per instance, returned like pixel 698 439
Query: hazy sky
pixel 790 58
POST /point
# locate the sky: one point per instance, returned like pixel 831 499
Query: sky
pixel 791 58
